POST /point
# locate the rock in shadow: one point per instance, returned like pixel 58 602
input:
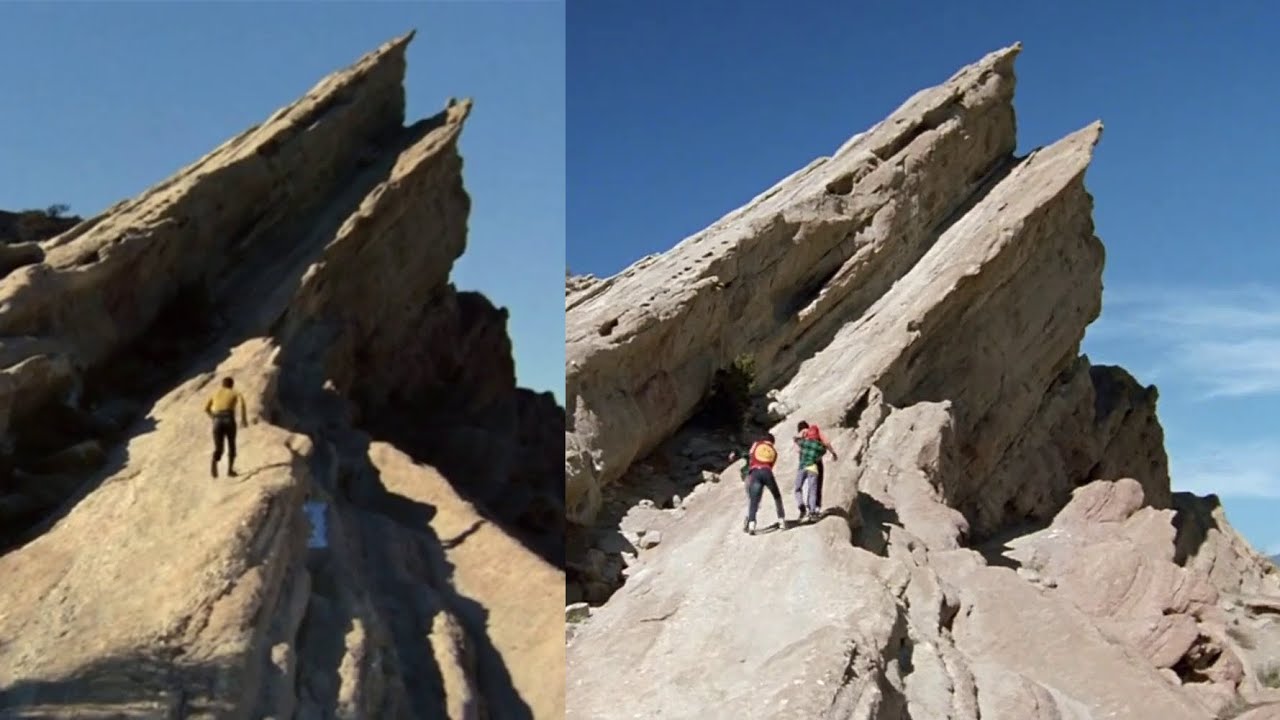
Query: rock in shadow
pixel 873 535
pixel 390 547
pixel 42 488
pixel 486 466
pixel 659 482
pixel 995 548
pixel 137 686
pixel 66 447
pixel 1192 521
pixel 409 570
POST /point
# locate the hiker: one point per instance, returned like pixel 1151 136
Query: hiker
pixel 222 408
pixel 810 472
pixel 757 473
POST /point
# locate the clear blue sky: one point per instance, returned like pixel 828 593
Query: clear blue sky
pixel 103 100
pixel 680 112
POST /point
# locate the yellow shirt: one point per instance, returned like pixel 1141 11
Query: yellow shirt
pixel 224 400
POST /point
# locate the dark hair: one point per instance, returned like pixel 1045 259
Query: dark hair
pixel 228 382
pixel 769 437
pixel 802 425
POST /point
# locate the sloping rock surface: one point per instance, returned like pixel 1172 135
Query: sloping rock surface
pixel 338 574
pixel 1000 539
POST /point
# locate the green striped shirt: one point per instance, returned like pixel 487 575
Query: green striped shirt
pixel 811 451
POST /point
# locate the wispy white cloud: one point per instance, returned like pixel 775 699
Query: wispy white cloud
pixel 1239 470
pixel 1224 342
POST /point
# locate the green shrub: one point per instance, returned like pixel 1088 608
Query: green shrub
pixel 1270 675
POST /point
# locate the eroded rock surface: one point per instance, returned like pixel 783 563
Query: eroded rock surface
pixel 345 572
pixel 1000 539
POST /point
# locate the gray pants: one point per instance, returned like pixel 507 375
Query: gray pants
pixel 807 491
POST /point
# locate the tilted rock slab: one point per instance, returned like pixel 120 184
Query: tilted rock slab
pixel 335 576
pixel 963 412
pixel 777 277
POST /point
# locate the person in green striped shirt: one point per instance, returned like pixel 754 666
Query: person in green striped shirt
pixel 808 489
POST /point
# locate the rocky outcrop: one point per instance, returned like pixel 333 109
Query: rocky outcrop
pixel 33 226
pixel 643 347
pixel 21 233
pixel 346 571
pixel 1000 538
pixel 574 284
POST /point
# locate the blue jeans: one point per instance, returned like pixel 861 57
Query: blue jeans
pixel 757 480
pixel 807 490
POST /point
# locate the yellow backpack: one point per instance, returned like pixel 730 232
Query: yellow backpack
pixel 763 454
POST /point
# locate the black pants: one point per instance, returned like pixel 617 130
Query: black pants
pixel 822 475
pixel 224 430
pixel 757 480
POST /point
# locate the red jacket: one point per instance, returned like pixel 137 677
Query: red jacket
pixel 813 432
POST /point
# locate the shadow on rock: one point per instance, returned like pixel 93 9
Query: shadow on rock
pixel 122 687
pixel 388 543
pixel 36 501
pixel 996 548
pixel 876 519
pixel 1192 521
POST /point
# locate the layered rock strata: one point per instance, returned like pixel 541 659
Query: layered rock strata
pixel 337 575
pixel 1000 538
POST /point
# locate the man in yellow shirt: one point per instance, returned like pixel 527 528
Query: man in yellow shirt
pixel 222 408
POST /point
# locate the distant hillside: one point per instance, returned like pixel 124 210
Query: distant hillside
pixel 35 225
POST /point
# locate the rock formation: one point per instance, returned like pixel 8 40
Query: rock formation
pixel 1000 539
pixel 351 569
pixel 32 226
pixel 21 233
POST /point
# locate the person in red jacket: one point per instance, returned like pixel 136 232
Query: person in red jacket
pixel 758 475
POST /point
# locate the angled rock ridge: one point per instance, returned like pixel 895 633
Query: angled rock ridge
pixel 999 539
pixel 347 570
pixel 827 241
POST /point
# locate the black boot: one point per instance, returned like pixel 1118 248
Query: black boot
pixel 213 468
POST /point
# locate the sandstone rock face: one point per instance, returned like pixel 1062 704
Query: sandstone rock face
pixel 345 572
pixel 642 347
pixel 1000 539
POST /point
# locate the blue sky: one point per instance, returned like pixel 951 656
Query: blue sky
pixel 684 111
pixel 103 100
